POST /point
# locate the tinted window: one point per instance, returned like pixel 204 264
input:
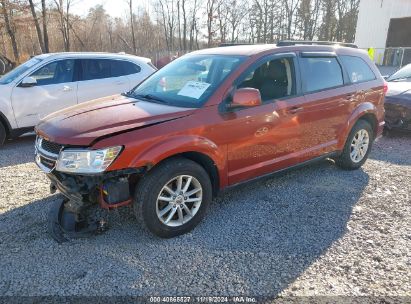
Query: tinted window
pixel 321 73
pixel 274 79
pixel 122 68
pixel 358 70
pixel 96 69
pixel 61 71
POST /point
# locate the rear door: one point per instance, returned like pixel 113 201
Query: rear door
pixel 328 102
pixel 100 78
pixel 56 89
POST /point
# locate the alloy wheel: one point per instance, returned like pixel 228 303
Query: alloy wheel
pixel 179 200
pixel 359 146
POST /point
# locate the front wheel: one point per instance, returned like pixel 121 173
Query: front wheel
pixel 172 198
pixel 357 146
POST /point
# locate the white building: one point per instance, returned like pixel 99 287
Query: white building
pixel 382 24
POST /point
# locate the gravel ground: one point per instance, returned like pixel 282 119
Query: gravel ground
pixel 314 231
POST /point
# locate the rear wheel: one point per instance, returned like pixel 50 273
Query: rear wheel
pixel 357 147
pixel 2 134
pixel 173 197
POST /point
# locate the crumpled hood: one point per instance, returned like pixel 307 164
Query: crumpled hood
pixel 84 123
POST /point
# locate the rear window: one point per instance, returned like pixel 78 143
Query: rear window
pixel 358 70
pixel 321 73
pixel 122 68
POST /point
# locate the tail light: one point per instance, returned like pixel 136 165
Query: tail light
pixel 385 87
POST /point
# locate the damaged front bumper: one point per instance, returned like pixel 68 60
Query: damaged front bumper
pixel 397 115
pixel 83 211
pixel 84 194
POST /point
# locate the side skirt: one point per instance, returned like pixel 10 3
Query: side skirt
pixel 285 170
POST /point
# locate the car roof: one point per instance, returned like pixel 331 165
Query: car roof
pixel 94 55
pixel 245 50
pixel 254 49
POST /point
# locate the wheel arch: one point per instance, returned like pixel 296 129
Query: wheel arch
pixel 365 111
pixel 4 121
pixel 371 118
pixel 203 160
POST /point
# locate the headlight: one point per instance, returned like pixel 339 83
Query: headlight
pixel 86 161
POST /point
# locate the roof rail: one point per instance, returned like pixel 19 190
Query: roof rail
pixel 233 44
pixel 306 42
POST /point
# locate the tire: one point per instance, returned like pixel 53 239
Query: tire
pixel 3 67
pixel 182 212
pixel 3 134
pixel 347 160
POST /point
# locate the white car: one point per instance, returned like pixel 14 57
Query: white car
pixel 51 82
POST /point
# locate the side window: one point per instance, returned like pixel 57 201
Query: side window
pixel 130 68
pixel 61 71
pixel 321 73
pixel 358 69
pixel 122 68
pixel 95 69
pixel 274 79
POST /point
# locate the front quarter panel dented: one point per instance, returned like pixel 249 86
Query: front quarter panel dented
pixel 149 153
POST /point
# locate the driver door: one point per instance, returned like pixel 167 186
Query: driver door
pixel 265 138
pixel 55 89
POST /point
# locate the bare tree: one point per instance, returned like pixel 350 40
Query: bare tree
pixel 11 31
pixel 37 25
pixel 133 35
pixel 45 31
pixel 63 9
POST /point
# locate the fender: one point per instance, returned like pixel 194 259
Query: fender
pixel 362 109
pixel 154 154
pixel 149 153
pixel 6 109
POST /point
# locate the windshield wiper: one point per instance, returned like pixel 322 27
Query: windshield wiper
pixel 127 94
pixel 151 97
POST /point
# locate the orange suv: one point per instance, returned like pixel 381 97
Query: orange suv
pixel 208 120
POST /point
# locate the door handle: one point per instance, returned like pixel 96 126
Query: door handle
pixel 295 110
pixel 120 82
pixel 66 88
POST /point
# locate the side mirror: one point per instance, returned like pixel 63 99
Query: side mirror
pixel 246 97
pixel 28 82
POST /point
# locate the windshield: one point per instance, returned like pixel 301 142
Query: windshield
pixel 404 73
pixel 188 81
pixel 18 71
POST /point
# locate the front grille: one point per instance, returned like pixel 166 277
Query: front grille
pixel 50 164
pixel 51 147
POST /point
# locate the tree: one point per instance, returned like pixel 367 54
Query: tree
pixel 63 9
pixel 45 32
pixel 37 25
pixel 133 35
pixel 11 31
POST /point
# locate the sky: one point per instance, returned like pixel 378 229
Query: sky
pixel 115 8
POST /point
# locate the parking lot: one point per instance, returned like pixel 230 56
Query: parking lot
pixel 313 231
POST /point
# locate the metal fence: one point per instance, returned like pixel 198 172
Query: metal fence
pixel 389 60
